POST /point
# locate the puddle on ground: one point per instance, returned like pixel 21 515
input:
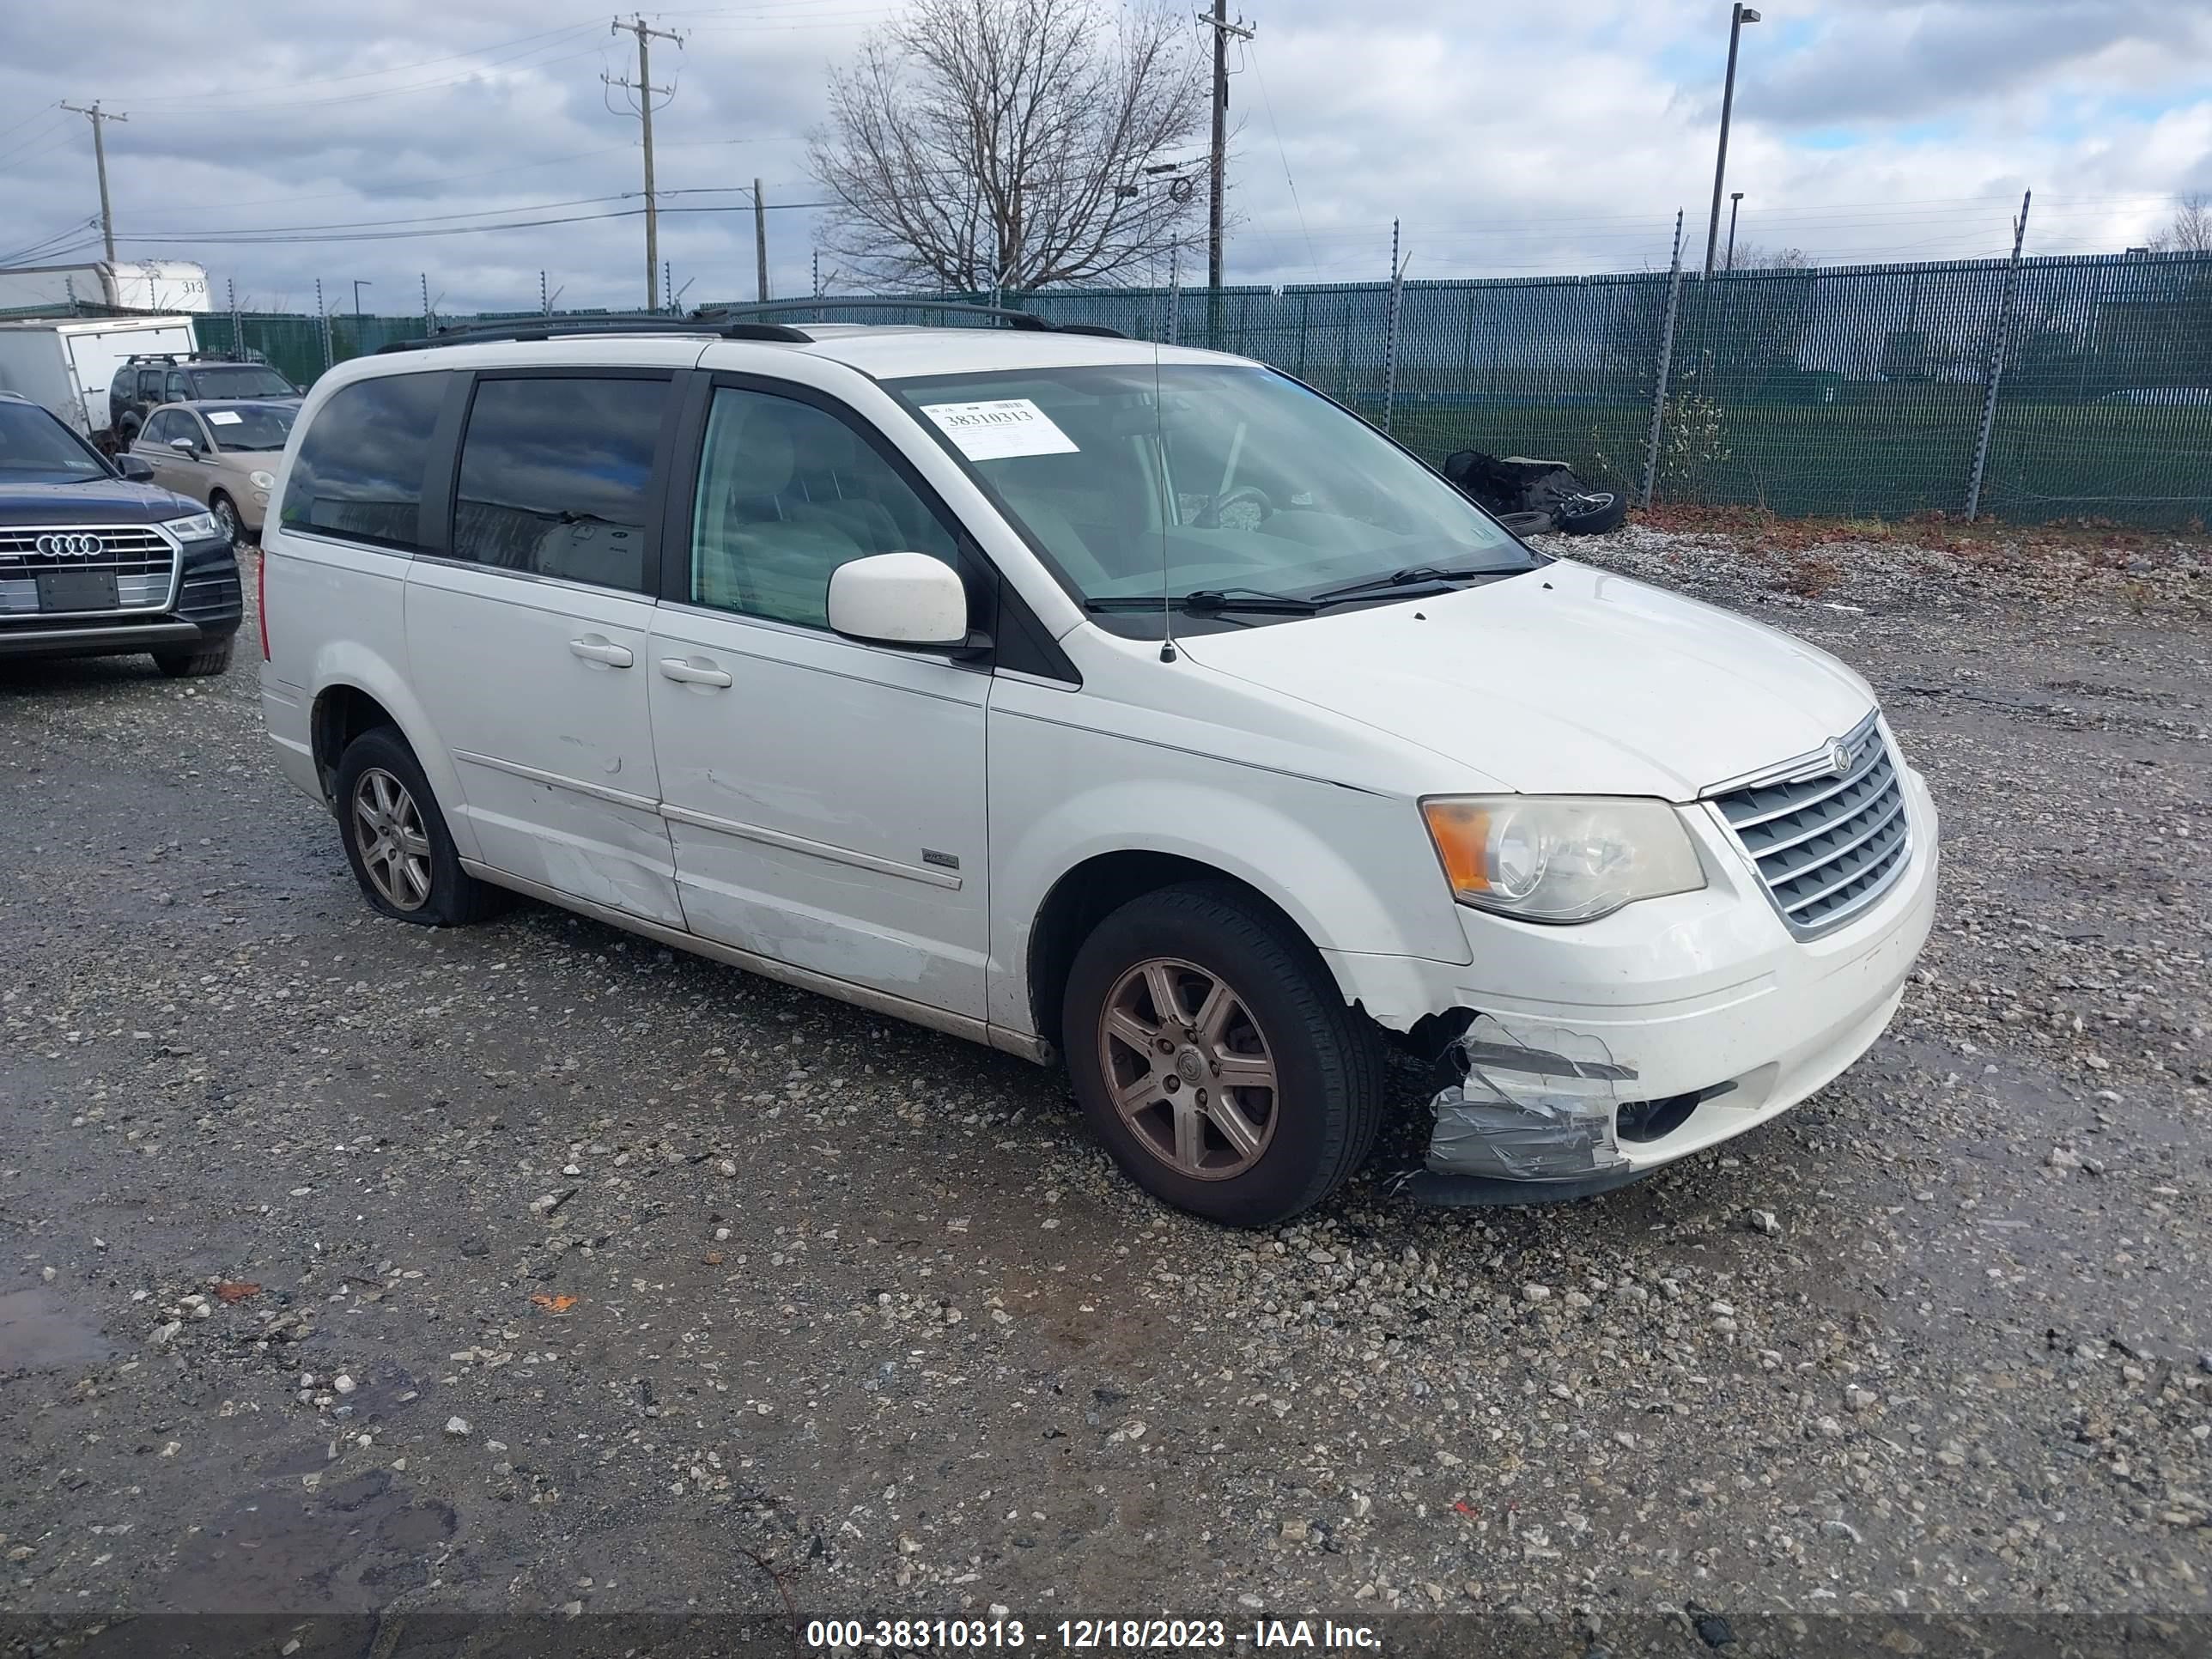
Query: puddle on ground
pixel 40 1332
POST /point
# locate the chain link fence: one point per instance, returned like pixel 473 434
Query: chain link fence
pixel 1857 392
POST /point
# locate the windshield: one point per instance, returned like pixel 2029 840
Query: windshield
pixel 240 381
pixel 1209 478
pixel 36 448
pixel 251 427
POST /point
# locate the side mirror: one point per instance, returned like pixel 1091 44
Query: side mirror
pixel 899 598
pixel 183 446
pixel 137 470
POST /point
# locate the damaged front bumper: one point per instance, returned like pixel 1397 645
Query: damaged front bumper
pixel 1640 1039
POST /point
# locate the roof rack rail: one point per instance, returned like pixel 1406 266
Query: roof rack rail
pixel 550 328
pixel 1027 320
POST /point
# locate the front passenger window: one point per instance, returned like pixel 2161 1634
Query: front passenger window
pixel 787 492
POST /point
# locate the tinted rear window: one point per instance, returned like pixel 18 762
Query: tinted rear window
pixel 358 471
pixel 555 476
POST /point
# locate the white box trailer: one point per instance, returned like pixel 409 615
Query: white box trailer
pixel 66 363
pixel 159 285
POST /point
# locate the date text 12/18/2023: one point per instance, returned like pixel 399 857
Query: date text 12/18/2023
pixel 1085 1635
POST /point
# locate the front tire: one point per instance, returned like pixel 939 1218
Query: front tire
pixel 226 518
pixel 192 664
pixel 1211 1052
pixel 396 838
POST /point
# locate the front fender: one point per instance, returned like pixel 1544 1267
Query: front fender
pixel 1354 870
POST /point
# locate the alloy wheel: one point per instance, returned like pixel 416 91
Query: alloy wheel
pixel 395 849
pixel 227 519
pixel 1189 1068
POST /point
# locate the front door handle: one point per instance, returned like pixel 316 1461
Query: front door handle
pixel 595 648
pixel 692 674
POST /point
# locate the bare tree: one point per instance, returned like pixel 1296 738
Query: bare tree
pixel 1750 255
pixel 978 144
pixel 2190 229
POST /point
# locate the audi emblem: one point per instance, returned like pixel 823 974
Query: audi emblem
pixel 72 546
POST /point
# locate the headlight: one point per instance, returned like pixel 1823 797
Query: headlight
pixel 1560 858
pixel 262 480
pixel 199 527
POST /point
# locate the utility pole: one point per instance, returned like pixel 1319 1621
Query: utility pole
pixel 1736 201
pixel 646 92
pixel 1738 17
pixel 100 118
pixel 1217 21
pixel 760 240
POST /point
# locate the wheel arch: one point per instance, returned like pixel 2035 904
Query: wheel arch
pixel 356 690
pixel 1089 892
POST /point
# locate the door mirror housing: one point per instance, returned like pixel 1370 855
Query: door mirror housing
pixel 183 446
pixel 910 599
pixel 134 469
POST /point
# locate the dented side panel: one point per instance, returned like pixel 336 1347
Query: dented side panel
pixel 552 751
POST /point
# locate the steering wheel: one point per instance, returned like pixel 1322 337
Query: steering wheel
pixel 1209 516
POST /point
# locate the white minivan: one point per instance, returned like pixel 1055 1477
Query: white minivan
pixel 1138 707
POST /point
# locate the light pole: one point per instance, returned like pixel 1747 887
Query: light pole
pixel 1736 201
pixel 1738 17
pixel 359 283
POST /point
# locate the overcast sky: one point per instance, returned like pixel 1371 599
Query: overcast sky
pixel 1510 139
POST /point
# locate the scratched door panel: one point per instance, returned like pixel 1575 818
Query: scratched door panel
pixel 827 804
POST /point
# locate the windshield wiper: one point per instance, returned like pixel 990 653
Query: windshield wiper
pixel 1412 576
pixel 1213 598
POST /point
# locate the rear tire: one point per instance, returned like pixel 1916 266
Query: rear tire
pixel 396 837
pixel 192 664
pixel 1252 1000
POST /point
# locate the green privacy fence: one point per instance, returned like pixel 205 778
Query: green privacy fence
pixel 2081 387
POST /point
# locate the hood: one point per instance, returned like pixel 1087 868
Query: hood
pixel 91 501
pixel 1564 680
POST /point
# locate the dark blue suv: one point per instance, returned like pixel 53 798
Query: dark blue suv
pixel 96 562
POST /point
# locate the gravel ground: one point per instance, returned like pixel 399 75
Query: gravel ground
pixel 532 1269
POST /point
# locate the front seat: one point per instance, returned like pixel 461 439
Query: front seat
pixel 761 549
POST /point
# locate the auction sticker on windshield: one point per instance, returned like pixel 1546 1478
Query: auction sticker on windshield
pixel 225 417
pixel 994 431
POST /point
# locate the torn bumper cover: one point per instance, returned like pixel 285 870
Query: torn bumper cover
pixel 1535 1104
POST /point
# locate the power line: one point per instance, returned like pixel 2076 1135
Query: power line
pixel 36 114
pixel 40 140
pixel 45 245
pixel 1252 53
pixel 272 241
pixel 414 185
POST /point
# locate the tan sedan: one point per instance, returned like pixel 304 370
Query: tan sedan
pixel 222 453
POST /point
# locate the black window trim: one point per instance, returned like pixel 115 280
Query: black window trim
pixel 444 475
pixel 439 431
pixel 989 593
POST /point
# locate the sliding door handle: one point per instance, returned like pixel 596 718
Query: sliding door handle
pixel 597 648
